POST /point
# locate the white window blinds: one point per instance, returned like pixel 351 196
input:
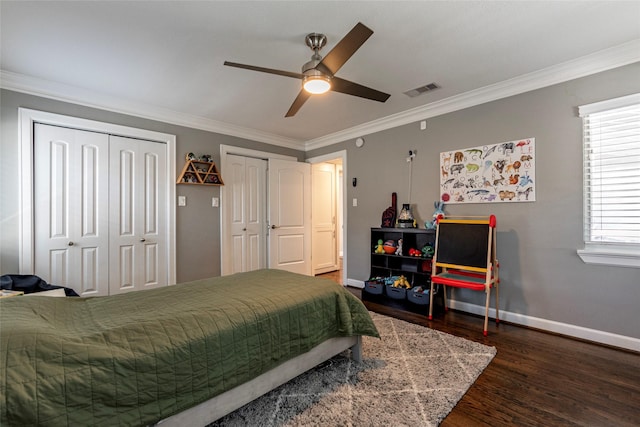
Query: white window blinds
pixel 612 171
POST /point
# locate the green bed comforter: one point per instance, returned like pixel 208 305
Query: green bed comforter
pixel 137 358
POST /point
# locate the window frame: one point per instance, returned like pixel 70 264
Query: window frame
pixel 600 253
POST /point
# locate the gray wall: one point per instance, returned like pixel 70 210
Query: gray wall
pixel 197 224
pixel 541 274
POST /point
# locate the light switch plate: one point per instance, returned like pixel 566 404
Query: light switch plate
pixel 215 202
pixel 182 200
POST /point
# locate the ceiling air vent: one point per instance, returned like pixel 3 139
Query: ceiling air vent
pixel 422 89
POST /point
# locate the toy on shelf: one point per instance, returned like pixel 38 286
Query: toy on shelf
pixel 389 247
pixel 401 282
pixel 414 252
pixel 379 249
pixel 437 214
pixel 389 214
pixel 405 219
pixel 399 249
pixel 428 251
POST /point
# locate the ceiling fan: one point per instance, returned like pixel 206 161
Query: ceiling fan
pixel 318 75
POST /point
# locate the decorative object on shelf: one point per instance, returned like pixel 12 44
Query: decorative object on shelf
pixel 503 172
pixel 199 172
pixel 389 214
pixel 379 249
pixel 405 219
pixel 437 214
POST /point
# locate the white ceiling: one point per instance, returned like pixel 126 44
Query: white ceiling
pixel 164 60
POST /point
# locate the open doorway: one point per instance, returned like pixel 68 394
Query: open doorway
pixel 329 251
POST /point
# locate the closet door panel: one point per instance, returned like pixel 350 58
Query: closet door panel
pixel 137 213
pixel 70 222
pixel 255 202
pixel 153 202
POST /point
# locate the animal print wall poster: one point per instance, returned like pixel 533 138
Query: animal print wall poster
pixel 503 172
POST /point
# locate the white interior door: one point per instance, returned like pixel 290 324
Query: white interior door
pixel 324 240
pixel 138 241
pixel 71 225
pixel 290 216
pixel 245 179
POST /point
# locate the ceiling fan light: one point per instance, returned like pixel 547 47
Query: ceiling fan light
pixel 316 84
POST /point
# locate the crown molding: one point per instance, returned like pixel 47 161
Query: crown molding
pixel 75 95
pixel 597 62
pixel 603 60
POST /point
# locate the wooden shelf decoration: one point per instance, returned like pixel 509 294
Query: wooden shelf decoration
pixel 200 173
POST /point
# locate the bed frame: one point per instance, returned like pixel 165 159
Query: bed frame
pixel 227 402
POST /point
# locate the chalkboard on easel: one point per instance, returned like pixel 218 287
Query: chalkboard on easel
pixel 463 244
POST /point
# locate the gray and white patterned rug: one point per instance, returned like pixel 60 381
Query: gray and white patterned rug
pixel 413 376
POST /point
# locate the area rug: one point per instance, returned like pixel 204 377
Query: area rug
pixel 413 376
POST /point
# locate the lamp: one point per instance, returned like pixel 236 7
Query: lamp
pixel 316 84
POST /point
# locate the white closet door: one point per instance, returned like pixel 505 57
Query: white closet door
pixel 71 220
pixel 138 245
pixel 245 204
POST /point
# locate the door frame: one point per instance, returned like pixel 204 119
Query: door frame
pixel 325 158
pixel 245 152
pixel 26 119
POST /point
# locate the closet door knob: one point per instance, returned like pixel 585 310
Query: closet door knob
pixel 273 227
pixel 143 240
pixel 70 243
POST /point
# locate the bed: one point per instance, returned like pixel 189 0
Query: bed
pixel 185 354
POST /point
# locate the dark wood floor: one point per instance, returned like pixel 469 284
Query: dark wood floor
pixel 538 378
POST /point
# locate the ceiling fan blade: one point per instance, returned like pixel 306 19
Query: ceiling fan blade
pixel 346 47
pixel 265 70
pixel 351 88
pixel 302 97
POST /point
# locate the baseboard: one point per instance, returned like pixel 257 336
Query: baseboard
pixel 574 331
pixel 355 283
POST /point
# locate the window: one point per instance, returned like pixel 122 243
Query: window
pixel 612 182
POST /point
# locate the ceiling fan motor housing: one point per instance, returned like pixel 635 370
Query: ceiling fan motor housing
pixel 315 41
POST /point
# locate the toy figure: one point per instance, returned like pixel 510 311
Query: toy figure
pixel 399 249
pixel 428 251
pixel 379 249
pixel 439 213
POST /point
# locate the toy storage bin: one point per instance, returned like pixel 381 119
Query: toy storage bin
pixel 420 298
pixel 396 293
pixel 374 287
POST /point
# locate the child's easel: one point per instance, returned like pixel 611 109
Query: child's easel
pixel 465 257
